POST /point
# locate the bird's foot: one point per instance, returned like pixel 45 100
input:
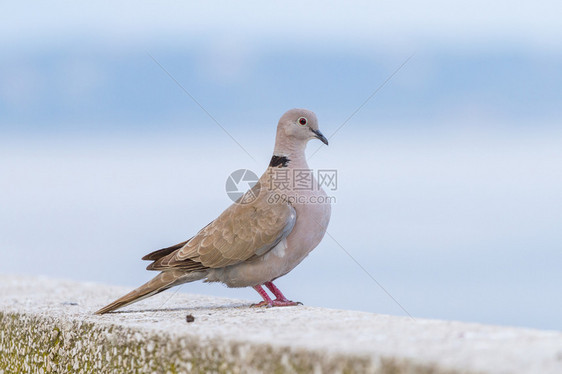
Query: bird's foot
pixel 285 302
pixel 263 304
pixel 268 303
pixel 276 302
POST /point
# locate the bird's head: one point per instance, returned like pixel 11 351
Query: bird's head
pixel 300 125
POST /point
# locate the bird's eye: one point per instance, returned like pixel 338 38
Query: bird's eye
pixel 303 121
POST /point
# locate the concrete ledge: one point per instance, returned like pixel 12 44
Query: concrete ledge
pixel 47 326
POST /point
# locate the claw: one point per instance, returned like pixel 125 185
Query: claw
pixel 276 302
pixel 263 304
pixel 285 303
pixel 281 300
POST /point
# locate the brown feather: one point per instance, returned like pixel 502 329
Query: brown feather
pixel 240 232
pixel 159 283
pixel 153 256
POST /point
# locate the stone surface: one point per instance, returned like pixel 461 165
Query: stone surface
pixel 48 326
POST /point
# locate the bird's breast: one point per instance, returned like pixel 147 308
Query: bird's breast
pixel 313 218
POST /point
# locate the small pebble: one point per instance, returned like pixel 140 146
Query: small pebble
pixel 189 318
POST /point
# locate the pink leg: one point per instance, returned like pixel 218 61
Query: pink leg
pixel 276 291
pixel 266 299
pixel 280 300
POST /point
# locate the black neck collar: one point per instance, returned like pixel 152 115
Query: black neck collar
pixel 279 162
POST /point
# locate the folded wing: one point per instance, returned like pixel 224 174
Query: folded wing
pixel 239 233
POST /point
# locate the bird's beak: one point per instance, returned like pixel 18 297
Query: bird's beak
pixel 320 136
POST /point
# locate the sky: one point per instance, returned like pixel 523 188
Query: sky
pixel 449 198
pixel 92 67
pixel 354 22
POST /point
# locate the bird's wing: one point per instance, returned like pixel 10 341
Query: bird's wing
pixel 240 232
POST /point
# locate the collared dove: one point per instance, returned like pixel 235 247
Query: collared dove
pixel 259 238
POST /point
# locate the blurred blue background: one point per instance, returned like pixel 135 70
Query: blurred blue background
pixel 449 178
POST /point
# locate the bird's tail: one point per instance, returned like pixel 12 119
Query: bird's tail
pixel 159 283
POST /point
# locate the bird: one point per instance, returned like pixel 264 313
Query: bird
pixel 262 236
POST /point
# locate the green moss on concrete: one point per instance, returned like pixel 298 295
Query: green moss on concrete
pixel 42 344
pixel 33 344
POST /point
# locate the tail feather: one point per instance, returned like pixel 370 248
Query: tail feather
pixel 153 256
pixel 161 282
